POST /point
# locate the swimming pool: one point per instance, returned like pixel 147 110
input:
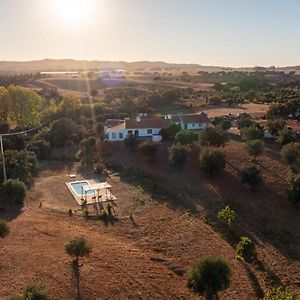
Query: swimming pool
pixel 77 187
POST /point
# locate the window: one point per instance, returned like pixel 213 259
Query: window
pixel 120 135
pixel 129 131
pixel 113 135
pixel 149 131
pixel 193 125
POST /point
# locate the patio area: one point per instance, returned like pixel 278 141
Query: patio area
pixel 91 192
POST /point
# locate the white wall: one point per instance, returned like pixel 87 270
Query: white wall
pixel 196 126
pixel 142 133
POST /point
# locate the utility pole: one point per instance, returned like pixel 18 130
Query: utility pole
pixel 3 159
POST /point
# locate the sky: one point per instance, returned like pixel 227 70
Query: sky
pixel 235 33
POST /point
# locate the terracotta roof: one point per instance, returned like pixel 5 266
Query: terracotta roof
pixel 196 118
pixel 113 122
pixel 117 127
pixel 147 123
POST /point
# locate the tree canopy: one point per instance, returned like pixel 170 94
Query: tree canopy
pixel 209 276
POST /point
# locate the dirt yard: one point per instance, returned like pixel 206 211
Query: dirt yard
pixel 144 259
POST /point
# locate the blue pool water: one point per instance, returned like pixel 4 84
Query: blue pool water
pixel 77 187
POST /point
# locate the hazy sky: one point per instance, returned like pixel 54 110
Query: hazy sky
pixel 208 32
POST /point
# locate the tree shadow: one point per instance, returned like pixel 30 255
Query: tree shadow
pixel 76 278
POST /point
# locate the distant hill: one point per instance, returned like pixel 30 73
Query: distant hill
pixel 81 65
pixel 11 67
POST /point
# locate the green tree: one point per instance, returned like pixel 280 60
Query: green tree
pixel 69 102
pixel 275 125
pixel 60 131
pixel 213 136
pixel 87 151
pixel 186 137
pixel 278 293
pixel 285 137
pixel 209 276
pixel 14 190
pixel 78 247
pixel 4 105
pixel 172 130
pixel 177 155
pixel 294 189
pixel 211 161
pixel 224 123
pixel 4 229
pixel 255 148
pixel 35 291
pixel 245 248
pixel 251 176
pixel 252 133
pixel 130 141
pixel 26 106
pixel 227 214
pixel 94 93
pixel 290 153
pixel 148 148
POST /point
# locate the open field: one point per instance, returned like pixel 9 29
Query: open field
pixel 141 260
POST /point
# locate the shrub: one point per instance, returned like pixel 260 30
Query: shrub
pixel 290 153
pixel 186 137
pixel 177 155
pixel 14 190
pixel 4 229
pixel 78 247
pixel 251 175
pixel 148 148
pixel 227 214
pixel 224 123
pixel 285 137
pixel 294 189
pixel 255 147
pixel 278 293
pixel 252 133
pixel 208 276
pixel 211 161
pixel 130 141
pixel 275 125
pixel 213 136
pixel 245 248
pixel 34 291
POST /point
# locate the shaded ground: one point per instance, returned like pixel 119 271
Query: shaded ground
pixel 266 216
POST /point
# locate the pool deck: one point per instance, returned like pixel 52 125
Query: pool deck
pixel 90 198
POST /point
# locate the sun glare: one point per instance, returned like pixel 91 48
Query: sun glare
pixel 74 12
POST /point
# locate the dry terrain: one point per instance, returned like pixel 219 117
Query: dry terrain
pixel 144 259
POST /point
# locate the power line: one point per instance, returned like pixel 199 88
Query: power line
pixel 12 134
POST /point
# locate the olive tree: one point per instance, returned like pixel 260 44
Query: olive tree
pixel 251 176
pixel 255 148
pixel 209 276
pixel 290 153
pixel 213 136
pixel 78 247
pixel 211 161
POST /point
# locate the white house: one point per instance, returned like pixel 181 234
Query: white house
pixel 147 127
pixel 140 127
pixel 192 122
